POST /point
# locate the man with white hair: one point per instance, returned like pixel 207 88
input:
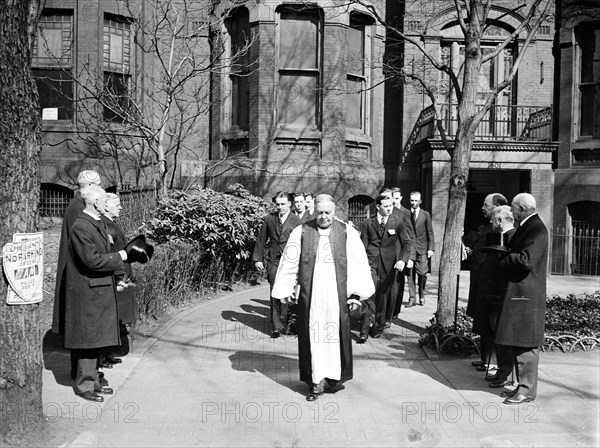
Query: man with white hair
pixel 72 212
pixel 521 323
pixel 326 258
pixel 91 316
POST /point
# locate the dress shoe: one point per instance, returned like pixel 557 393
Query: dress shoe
pixel 100 375
pixel 411 303
pixel 312 397
pixel 376 335
pixel 90 395
pixel 104 390
pixel 276 334
pixel 113 360
pixel 481 368
pixel 105 365
pixel 492 378
pixel 362 338
pixel 499 383
pixel 517 399
pixel 421 302
pixel 387 325
pixel 477 363
pixel 509 393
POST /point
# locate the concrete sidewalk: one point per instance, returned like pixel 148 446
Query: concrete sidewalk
pixel 212 376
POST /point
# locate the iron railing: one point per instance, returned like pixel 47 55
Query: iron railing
pixel 575 251
pixel 501 122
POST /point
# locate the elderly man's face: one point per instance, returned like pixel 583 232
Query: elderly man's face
pixel 113 208
pixel 325 213
pixel 488 207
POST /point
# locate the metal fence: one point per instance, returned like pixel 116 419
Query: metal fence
pixel 575 251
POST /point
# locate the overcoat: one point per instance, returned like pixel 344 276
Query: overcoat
pixel 522 318
pixel 125 298
pixel 476 260
pixel 272 239
pixel 424 239
pixel 308 252
pixel 91 316
pixel 72 212
pixel 491 290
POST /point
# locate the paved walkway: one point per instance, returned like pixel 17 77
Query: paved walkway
pixel 212 376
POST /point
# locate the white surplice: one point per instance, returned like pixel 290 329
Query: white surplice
pixel 324 313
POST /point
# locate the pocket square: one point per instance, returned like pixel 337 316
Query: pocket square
pixel 391 231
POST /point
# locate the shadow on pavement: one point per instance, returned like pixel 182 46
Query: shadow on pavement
pixel 57 358
pixel 280 369
pixel 255 317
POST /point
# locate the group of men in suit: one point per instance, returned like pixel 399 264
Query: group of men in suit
pixel 507 295
pixel 399 244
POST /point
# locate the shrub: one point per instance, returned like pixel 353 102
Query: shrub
pixel 204 241
pixel 573 315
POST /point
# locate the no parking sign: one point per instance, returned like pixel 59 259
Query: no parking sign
pixel 23 264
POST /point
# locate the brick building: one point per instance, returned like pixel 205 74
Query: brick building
pixel 577 112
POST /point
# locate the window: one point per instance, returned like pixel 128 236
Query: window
pixel 52 64
pixel 358 39
pixel 298 90
pixel 117 67
pixel 238 28
pixel 589 82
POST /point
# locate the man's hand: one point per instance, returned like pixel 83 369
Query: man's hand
pixel 258 265
pixel 287 300
pixel 430 253
pixel 468 250
pixel 400 265
pixel 410 264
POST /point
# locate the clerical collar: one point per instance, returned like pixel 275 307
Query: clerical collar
pixel 96 217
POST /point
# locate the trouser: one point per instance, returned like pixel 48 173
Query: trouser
pixel 385 295
pixel 396 307
pixel 279 309
pixel 526 361
pixel 86 377
pixel 417 277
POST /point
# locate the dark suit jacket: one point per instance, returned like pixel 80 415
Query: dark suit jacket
pixel 522 318
pixel 126 298
pixel 424 240
pixel 387 246
pixel 272 239
pixel 476 260
pixel 91 319
pixel 404 214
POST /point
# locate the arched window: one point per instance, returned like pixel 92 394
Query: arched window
pixel 359 208
pixel 54 199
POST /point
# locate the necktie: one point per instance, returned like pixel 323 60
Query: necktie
pixel 383 221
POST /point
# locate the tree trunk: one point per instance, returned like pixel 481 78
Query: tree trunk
pixel 20 334
pixel 459 167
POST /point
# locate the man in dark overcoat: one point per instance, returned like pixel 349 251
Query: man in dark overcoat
pixel 476 257
pixel 424 249
pixel 91 316
pixel 522 319
pixel 72 212
pixel 326 258
pixel 124 279
pixel 273 236
pixel 388 248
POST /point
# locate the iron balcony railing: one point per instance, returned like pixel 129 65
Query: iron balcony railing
pixel 522 123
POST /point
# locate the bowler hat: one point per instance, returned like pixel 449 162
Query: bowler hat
pixel 495 241
pixel 139 250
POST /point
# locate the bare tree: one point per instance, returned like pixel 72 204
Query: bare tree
pixel 145 105
pixel 20 333
pixel 473 105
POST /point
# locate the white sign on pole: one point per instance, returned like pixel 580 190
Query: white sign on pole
pixel 23 264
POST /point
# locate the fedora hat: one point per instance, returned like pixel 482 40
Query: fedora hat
pixel 495 242
pixel 139 250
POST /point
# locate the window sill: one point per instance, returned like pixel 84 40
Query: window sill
pixel 297 135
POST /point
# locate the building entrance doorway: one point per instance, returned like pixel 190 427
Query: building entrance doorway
pixel 483 182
